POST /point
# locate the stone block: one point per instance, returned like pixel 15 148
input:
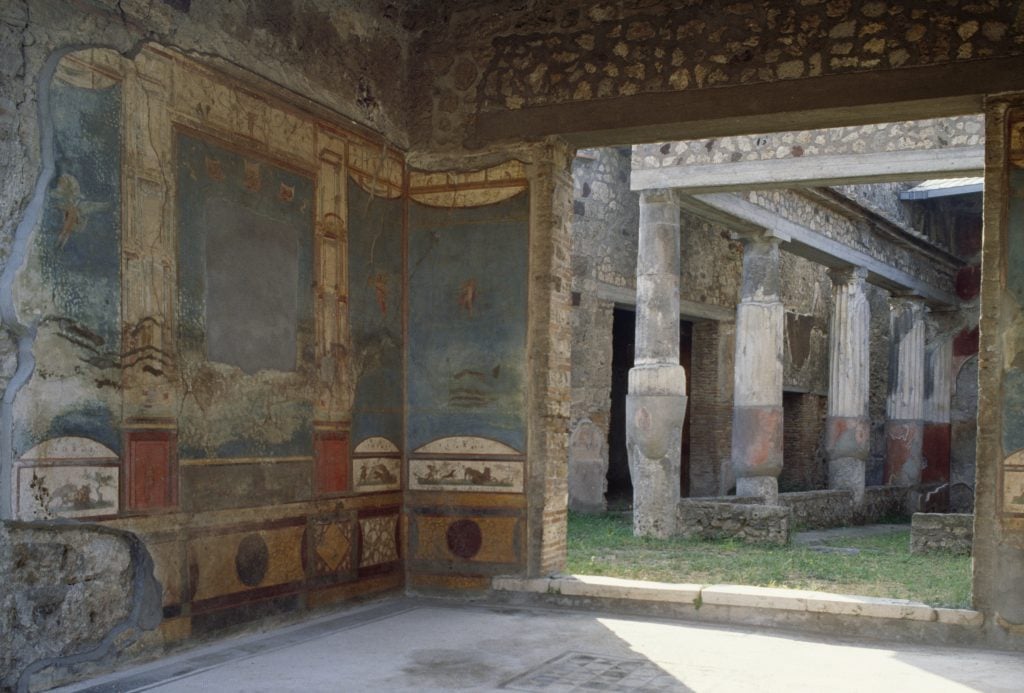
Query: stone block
pixel 815 602
pixel 819 509
pixel 616 588
pixel 949 532
pixel 754 597
pixel 960 617
pixel 509 583
pixel 704 519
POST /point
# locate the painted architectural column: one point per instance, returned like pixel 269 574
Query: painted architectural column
pixel 656 403
pixel 905 405
pixel 848 426
pixel 757 403
pixel 938 396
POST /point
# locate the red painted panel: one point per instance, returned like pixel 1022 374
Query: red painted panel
pixel 968 282
pixel 331 462
pixel 935 450
pixel 966 342
pixel 151 474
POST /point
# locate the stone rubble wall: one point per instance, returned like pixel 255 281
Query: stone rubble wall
pixel 857 233
pixel 748 519
pixel 819 509
pixel 942 532
pixel 71 595
pixel 469 59
pixel 936 133
pixel 748 522
pixel 883 503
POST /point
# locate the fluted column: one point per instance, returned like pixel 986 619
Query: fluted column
pixel 905 404
pixel 757 403
pixel 656 403
pixel 848 427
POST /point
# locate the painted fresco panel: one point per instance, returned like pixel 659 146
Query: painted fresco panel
pixel 245 234
pixel 72 282
pixel 375 312
pixel 222 564
pixel 379 540
pixel 468 310
pixel 479 539
pixel 1013 358
pixel 68 477
pixel 377 473
pixel 489 476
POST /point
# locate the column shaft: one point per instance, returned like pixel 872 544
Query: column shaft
pixel 848 427
pixel 757 403
pixel 905 404
pixel 935 445
pixel 656 403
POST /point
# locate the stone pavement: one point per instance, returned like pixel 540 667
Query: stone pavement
pixel 408 644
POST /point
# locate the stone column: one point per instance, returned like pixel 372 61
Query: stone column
pixel 848 426
pixel 656 402
pixel 905 405
pixel 757 403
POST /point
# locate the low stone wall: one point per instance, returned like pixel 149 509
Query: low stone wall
pixel 882 504
pixel 70 595
pixel 819 509
pixel 950 532
pixel 708 519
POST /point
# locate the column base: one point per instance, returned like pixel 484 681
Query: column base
pixel 847 474
pixel 654 428
pixel 766 487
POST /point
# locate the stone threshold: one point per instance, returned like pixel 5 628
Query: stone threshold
pixel 820 612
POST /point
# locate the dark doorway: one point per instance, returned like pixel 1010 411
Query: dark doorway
pixel 620 486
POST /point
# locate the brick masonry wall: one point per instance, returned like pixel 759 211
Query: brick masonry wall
pixel 550 356
pixel 802 430
pixel 710 408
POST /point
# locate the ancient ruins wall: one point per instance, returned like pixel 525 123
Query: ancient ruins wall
pixel 75 597
pixel 472 60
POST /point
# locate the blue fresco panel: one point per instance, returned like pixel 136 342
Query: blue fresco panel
pixel 468 272
pixel 375 313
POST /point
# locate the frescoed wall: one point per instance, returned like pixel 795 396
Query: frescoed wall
pixel 72 283
pixel 245 314
pixel 223 289
pixel 468 261
pixel 213 371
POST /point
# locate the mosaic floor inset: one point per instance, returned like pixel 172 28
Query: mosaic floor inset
pixel 578 671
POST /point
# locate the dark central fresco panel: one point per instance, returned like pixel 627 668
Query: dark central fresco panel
pixel 245 331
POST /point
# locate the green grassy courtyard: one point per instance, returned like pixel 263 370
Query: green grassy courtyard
pixel 882 567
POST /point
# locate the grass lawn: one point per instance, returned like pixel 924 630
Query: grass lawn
pixel 884 567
